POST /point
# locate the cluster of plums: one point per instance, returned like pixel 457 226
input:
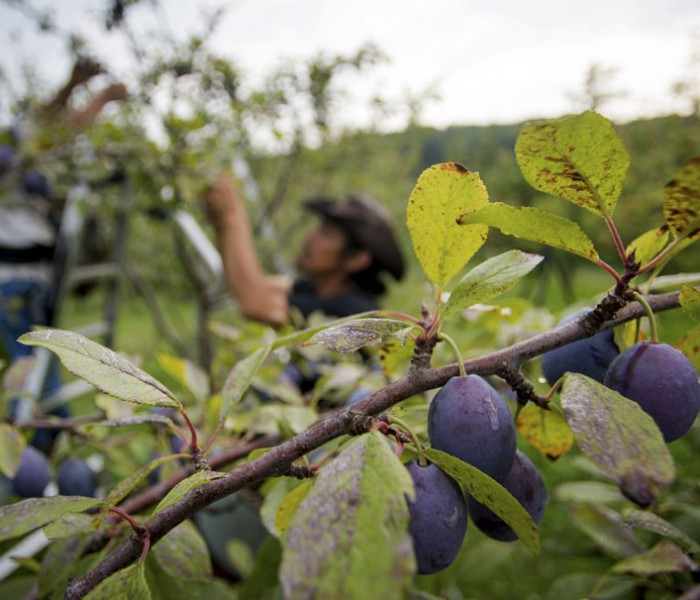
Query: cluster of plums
pixel 74 477
pixel 469 420
pixel 658 377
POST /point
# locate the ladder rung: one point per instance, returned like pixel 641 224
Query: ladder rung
pixel 66 393
pixel 92 272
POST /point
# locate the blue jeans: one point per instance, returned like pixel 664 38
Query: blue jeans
pixel 22 305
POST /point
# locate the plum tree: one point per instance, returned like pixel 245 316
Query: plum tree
pixel 525 483
pixel 33 474
pixel 662 381
pixel 74 477
pixel 590 356
pixel 357 395
pixel 470 420
pixel 438 518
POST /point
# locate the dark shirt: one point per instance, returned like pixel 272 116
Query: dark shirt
pixel 303 297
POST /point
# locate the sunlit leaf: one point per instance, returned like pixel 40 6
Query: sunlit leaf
pixel 690 301
pixel 441 194
pixel 185 486
pixel 102 367
pixel 546 430
pixel 689 345
pixel 395 353
pixel 70 525
pixel 123 585
pixel 183 553
pixel 353 335
pixel 535 225
pixel 28 515
pixel 649 244
pixel 12 445
pixel 619 437
pixel 491 494
pixel 682 204
pixel 289 506
pixel 490 279
pixel 239 380
pixel 581 492
pixel 349 537
pixel 186 373
pixel 665 557
pixel 579 158
pixel 126 486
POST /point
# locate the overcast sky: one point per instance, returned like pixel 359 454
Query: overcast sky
pixel 488 61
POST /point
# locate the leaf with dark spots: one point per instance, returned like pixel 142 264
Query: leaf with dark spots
pixel 183 554
pixel 682 203
pixel 619 437
pixel 123 585
pixel 665 557
pixel 579 159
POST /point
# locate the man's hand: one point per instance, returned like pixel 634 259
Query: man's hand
pixel 84 70
pixel 223 200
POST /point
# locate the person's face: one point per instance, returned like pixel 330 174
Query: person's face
pixel 322 253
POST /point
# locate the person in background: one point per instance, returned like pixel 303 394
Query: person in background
pixel 30 214
pixel 343 259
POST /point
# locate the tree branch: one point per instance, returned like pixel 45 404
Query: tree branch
pixel 357 419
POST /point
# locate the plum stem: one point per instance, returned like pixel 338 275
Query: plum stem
pixel 458 355
pixel 422 461
pixel 650 315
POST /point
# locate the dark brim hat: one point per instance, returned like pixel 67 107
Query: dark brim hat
pixel 367 224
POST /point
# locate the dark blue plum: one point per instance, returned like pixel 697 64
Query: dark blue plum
pixel 662 381
pixel 525 483
pixel 7 158
pixel 438 518
pixel 75 478
pixel 303 374
pixel 34 182
pixel 590 356
pixel 33 474
pixel 470 420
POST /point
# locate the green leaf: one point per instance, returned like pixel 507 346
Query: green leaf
pixel 690 301
pixel 580 159
pixel 619 437
pixel 239 380
pixel 490 279
pixel 187 374
pixel 127 584
pixel 183 553
pixel 606 528
pixel 28 515
pixel 70 525
pixel 649 244
pixel 535 225
pixel 128 485
pixel 682 204
pixel 349 538
pixel 102 367
pixel 289 506
pixel 58 564
pixel 689 345
pixel 360 333
pixel 665 557
pixel 546 430
pixel 648 521
pixel 491 494
pixel 581 492
pixel 12 444
pixel 185 486
pixel 441 194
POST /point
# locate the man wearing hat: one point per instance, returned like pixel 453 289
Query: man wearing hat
pixel 343 258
